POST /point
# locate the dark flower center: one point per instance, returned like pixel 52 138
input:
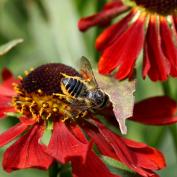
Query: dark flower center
pixel 39 94
pixel 163 7
pixel 47 78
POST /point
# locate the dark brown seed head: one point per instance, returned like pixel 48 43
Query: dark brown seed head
pixel 163 7
pixel 47 78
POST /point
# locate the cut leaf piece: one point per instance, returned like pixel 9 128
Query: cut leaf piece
pixel 121 96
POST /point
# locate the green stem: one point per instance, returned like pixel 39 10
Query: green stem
pixel 54 170
pixel 159 136
pixel 173 131
pixel 166 88
pixel 172 128
pixel 99 6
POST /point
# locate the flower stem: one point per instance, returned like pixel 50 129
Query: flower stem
pixel 172 128
pixel 99 6
pixel 159 136
pixel 173 131
pixel 54 170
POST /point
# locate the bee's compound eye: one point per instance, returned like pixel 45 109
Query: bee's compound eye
pixel 99 97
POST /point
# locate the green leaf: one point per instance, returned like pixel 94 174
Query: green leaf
pixel 116 164
pixel 119 168
pixel 63 26
pixel 8 46
pixel 13 114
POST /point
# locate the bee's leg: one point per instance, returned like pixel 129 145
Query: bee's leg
pixel 67 76
pixel 62 96
pixel 84 113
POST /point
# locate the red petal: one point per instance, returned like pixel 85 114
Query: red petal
pixel 155 63
pixel 147 157
pixel 6 91
pixel 127 156
pixel 160 110
pixel 175 22
pixel 4 110
pixel 109 35
pixel 91 168
pixel 111 10
pixel 101 143
pixel 121 53
pixel 5 106
pixel 27 152
pixel 6 74
pixel 168 45
pixel 8 80
pixel 64 145
pixel 12 133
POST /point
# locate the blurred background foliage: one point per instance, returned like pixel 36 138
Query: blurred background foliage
pixel 50 33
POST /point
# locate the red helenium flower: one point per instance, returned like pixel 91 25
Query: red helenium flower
pixel 159 110
pixel 150 25
pixel 68 142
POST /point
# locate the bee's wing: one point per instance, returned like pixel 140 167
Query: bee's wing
pixel 80 105
pixel 87 72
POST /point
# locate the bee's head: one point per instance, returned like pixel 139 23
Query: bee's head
pixel 98 98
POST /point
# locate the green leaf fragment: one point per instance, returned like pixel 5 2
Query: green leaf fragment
pixel 116 164
pixel 9 45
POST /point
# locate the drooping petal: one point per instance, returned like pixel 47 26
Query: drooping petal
pixel 27 152
pixel 127 155
pixel 169 45
pixel 5 106
pixel 93 167
pixel 147 157
pixel 6 74
pixel 155 63
pixel 99 140
pixel 160 110
pixel 6 91
pixel 8 79
pixel 121 53
pixel 110 34
pixel 12 133
pixel 64 145
pixel 4 110
pixel 175 22
pixel 109 11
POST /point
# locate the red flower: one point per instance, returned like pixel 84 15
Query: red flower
pixel 160 110
pixel 149 25
pixel 67 142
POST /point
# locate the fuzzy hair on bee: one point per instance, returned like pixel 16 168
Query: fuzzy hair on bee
pixel 84 91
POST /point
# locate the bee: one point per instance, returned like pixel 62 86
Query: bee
pixel 84 92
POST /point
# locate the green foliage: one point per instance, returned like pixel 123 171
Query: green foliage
pixel 8 46
pixel 49 30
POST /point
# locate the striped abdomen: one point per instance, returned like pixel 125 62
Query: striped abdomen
pixel 72 86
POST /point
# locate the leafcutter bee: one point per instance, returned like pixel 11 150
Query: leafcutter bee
pixel 84 92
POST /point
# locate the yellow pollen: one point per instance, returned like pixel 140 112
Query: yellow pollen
pixel 26 73
pixel 38 105
pixel 39 91
pixel 20 77
pixel 44 105
pixel 55 110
